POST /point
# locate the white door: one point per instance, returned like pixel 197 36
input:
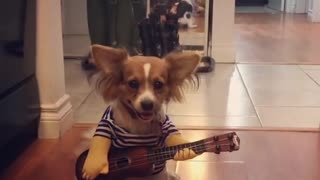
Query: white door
pixel 276 4
pixel 301 6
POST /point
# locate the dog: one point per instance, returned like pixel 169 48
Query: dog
pixel 184 11
pixel 137 88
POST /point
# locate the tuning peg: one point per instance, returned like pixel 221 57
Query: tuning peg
pixel 216 138
pixel 218 149
pixel 232 147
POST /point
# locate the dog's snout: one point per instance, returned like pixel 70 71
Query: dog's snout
pixel 147 105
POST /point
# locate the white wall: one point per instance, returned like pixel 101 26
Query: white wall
pixel 75 17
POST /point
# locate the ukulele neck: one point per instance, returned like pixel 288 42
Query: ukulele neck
pixel 167 153
pixel 223 143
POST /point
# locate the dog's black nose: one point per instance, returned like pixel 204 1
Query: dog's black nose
pixel 147 105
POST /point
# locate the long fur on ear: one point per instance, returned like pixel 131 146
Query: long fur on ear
pixel 182 68
pixel 109 61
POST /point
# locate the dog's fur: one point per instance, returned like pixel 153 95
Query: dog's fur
pixel 118 69
pixel 128 82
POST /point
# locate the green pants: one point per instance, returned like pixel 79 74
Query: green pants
pixel 114 22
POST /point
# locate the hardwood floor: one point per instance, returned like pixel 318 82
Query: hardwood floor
pixel 272 38
pixel 276 39
pixel 263 155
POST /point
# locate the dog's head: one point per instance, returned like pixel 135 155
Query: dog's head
pixel 143 83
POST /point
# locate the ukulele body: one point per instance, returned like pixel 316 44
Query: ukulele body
pixel 140 162
pixel 131 162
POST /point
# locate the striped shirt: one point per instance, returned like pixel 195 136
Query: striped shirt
pixel 121 138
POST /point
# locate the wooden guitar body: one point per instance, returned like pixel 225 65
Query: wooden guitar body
pixel 125 165
pixel 140 161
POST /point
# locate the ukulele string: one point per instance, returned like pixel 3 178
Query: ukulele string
pixel 144 162
pixel 170 151
pixel 141 161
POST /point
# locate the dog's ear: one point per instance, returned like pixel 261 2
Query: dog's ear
pixel 181 68
pixel 108 59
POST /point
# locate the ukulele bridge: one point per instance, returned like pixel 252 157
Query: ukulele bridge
pixel 123 162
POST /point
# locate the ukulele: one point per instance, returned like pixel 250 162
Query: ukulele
pixel 139 162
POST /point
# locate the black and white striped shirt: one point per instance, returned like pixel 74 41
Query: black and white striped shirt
pixel 121 138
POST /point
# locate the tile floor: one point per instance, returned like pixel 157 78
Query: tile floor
pixel 234 96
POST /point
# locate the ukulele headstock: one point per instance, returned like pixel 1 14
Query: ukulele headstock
pixel 223 143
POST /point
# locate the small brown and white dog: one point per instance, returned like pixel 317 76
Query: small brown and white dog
pixel 138 87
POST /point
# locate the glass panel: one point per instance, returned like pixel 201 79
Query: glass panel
pixel 183 21
pixel 133 25
pixel 116 23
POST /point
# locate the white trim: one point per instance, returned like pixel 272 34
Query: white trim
pixel 148 8
pixel 222 42
pixel 55 118
pixel 290 6
pixel 283 4
pixel 206 27
pixel 62 102
pixel 314 11
pixel 224 53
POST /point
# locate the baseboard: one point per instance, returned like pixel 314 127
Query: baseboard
pixel 224 53
pixel 56 119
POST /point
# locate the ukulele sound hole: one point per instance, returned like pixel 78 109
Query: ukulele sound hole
pixel 123 162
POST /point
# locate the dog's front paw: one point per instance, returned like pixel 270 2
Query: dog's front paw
pixel 184 154
pixel 93 166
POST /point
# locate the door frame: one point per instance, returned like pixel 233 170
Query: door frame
pixel 283 5
pixel 314 11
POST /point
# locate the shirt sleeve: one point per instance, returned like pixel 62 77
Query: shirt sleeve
pixel 168 128
pixel 104 128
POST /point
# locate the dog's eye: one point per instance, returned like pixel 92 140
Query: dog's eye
pixel 134 84
pixel 158 85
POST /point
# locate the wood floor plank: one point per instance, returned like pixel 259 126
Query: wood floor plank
pixel 263 155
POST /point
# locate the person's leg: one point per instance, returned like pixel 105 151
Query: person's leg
pixel 130 12
pixel 139 13
pixel 97 17
pixel 98 25
pixel 125 23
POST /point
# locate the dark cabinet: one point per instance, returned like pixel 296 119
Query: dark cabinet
pixel 19 97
